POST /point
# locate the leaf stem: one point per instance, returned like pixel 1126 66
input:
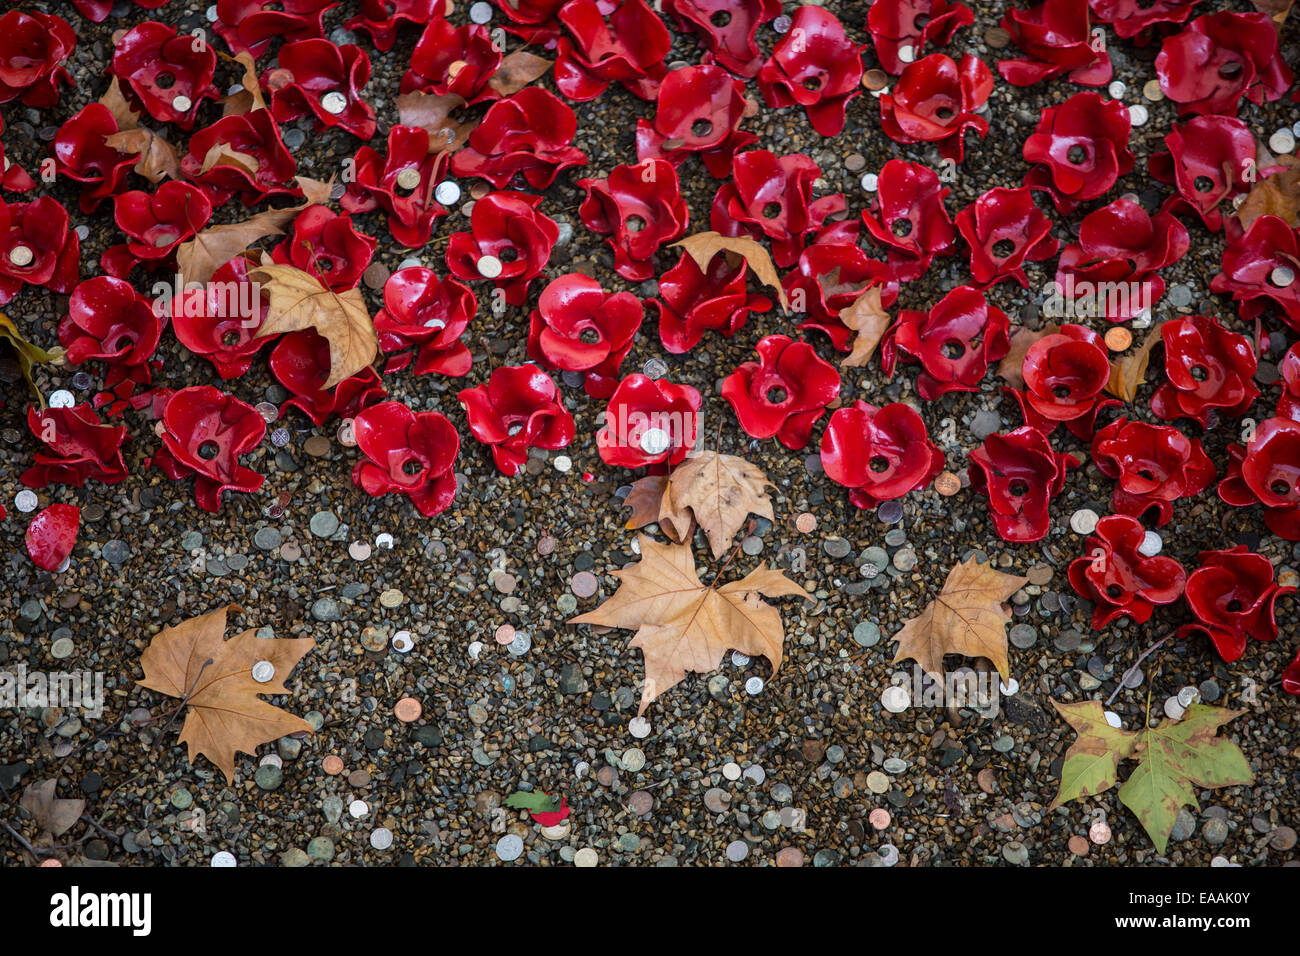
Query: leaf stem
pixel 1132 669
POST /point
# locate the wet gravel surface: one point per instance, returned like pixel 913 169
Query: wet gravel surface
pixel 793 773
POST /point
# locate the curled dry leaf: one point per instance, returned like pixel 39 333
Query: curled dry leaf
pixel 516 71
pixel 27 354
pixel 54 815
pixel 651 504
pixel 721 491
pixel 868 318
pixel 703 246
pixel 1275 195
pixel 1129 372
pixel 158 158
pixel 1276 9
pixel 433 113
pixel 250 97
pixel 222 154
pixel 1010 369
pixel 117 104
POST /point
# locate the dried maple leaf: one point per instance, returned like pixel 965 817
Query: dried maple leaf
pixel 214 677
pixel 433 113
pixel 866 316
pixel 223 154
pixel 681 625
pixel 126 117
pixel 299 301
pixel 720 490
pixel 1276 9
pixel 516 71
pixel 1091 765
pixel 250 97
pixel 644 499
pixel 703 246
pixel 54 815
pixel 1275 195
pixel 1010 368
pixel 1129 373
pixel 158 158
pixel 966 618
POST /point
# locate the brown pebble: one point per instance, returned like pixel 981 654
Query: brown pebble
pixel 358 779
pixel 375 275
pixel 813 751
pixel 875 79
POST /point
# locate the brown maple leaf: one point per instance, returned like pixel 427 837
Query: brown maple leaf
pixel 1010 369
pixel 1277 10
pixel 249 97
pixel 223 154
pixel 966 618
pixel 645 499
pixel 516 71
pixel 157 157
pixel 1127 374
pixel 1275 195
pixel 720 490
pixel 681 625
pixel 299 301
pixel 433 113
pixel 866 316
pixel 703 246
pixel 54 815
pixel 214 677
pixel 124 114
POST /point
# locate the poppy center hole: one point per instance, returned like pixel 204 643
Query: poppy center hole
pixel 902 228
pixel 325 265
pixel 589 336
pixel 879 463
pixel 1077 154
pixel 1199 373
pixel 209 450
pixel 164 81
pixel 720 18
pixel 812 84
pixel 1114 591
pixel 772 210
pixel 1230 69
pixel 701 127
pixel 230 338
pixel 515 428
pixel 1234 606
pixel 412 466
pixel 944 112
pixel 920 20
pixel 1003 248
pixel 635 223
pixel 776 395
pixel 1018 488
pixel 508 254
pixel 952 349
pixel 1202 184
pixel 1280 486
pixel 1146 474
pixel 1061 391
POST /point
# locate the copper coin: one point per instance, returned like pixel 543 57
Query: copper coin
pixel 358 779
pixel 505 583
pixel 751 107
pixel 375 276
pixel 277 79
pixel 879 818
pixel 806 523
pixel 505 634
pixel 947 484
pixel 479 190
pixel 455 67
pixel 790 856
pixel 584 584
pixel 1099 833
pixel 875 79
pixel 407 709
pixel 1118 338
pixel 546 544
pixel 332 765
pixel 1078 845
pixel 996 37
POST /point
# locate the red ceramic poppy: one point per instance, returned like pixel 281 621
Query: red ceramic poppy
pixel 251 25
pixel 828 279
pixel 1255 268
pixel 902 29
pixel 220 320
pixel 382 19
pixel 1119 579
pixel 33 49
pixel 726 29
pixel 78 448
pixel 98 10
pixel 1154 466
pixel 165 74
pixel 1004 229
pixel 529 134
pixel 81 154
pixel 935 101
pixel 1208 367
pixel 578 327
pixel 692 301
pixel 954 342
pixel 408 453
pixel 649 422
pixel 1056 38
pixel 699 111
pixel 254 138
pixel 640 207
pixel 327 245
pixel 1129 18
pixel 316 68
pixel 509 241
pixel 1219 58
pixel 1234 597
pixel 1267 472
pixel 426 315
pixel 908 217
pixel 1209 160
pixel 784 393
pixel 621 41
pixel 204 433
pixel 13 178
pixel 37 247
pixel 155 224
pixel 381 183
pixel 1288 404
pixel 815 66
pixel 1080 148
pixel 52 535
pixel 453 60
pixel 537 21
pixel 519 408
pixel 108 321
pixel 878 453
pixel 1064 374
pixel 300 362
pixel 770 197
pixel 1020 474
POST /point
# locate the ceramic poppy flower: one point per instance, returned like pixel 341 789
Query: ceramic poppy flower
pixel 815 66
pixel 1064 374
pixel 77 448
pixel 251 25
pixel 770 197
pixel 155 224
pixel 935 101
pixel 81 154
pixel 1129 18
pixel 640 208
pixel 408 453
pixel 327 245
pixel 37 247
pixel 1119 579
pixel 204 433
pixel 165 74
pixel 426 315
pixel 1219 58
pixel 726 29
pixel 784 393
pixel 699 110
pixel 1208 161
pixel 1056 37
pixel 1208 367
pixel 519 408
pixel 382 19
pixel 621 41
pixel 1154 466
pixel 878 453
pixel 1267 472
pixel 828 278
pixel 383 182
pixel 453 60
pixel 901 29
pixel 13 178
pixel 108 321
pixel 1288 404
pixel 954 342
pixel 1019 474
pixel 909 219
pixel 316 69
pixel 693 301
pixel 300 362
pixel 1004 229
pixel 52 535
pixel 33 48
pixel 509 242
pixel 529 134
pixel 221 319
pixel 578 327
pixel 1079 149
pixel 1234 597
pixel 649 422
pixel 249 136
pixel 1255 268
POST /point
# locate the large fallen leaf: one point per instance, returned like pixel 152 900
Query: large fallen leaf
pixel 214 676
pixel 703 246
pixel 1010 369
pixel 54 815
pixel 1091 765
pixel 27 354
pixel 1275 195
pixel 644 499
pixel 433 113
pixel 966 618
pixel 866 316
pixel 299 301
pixel 1128 374
pixel 157 157
pixel 681 625
pixel 720 490
pixel 516 71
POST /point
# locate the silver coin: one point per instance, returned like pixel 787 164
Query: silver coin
pixel 384 540
pixel 739 659
pixel 489 267
pixel 509 848
pixel 334 102
pixel 1151 544
pixel 1112 718
pixel 1173 709
pixel 1283 141
pixel 280 437
pixel 1083 521
pixel 21 256
pixel 782 24
pixel 654 441
pixel 263 671
pixel 447 193
pixel 268 411
pixel 654 368
pixel 62 398
pixel 403 642
pixel 906 53
pixel 754 686
pixel 521 645
pixel 224 858
pixel 895 699
pixel 26 501
pixel 1138 115
pixel 639 728
pixel 381 838
pixel 737 850
pixel 480 12
pixel 1282 276
pixel 358 809
pixel 1116 89
pixel 869 182
pixel 181 103
pixel 1188 696
pixel 562 463
pixel 633 759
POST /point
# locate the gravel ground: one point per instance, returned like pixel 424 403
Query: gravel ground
pixel 962 789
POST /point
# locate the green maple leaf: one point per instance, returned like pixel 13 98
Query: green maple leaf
pixel 532 801
pixel 1092 763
